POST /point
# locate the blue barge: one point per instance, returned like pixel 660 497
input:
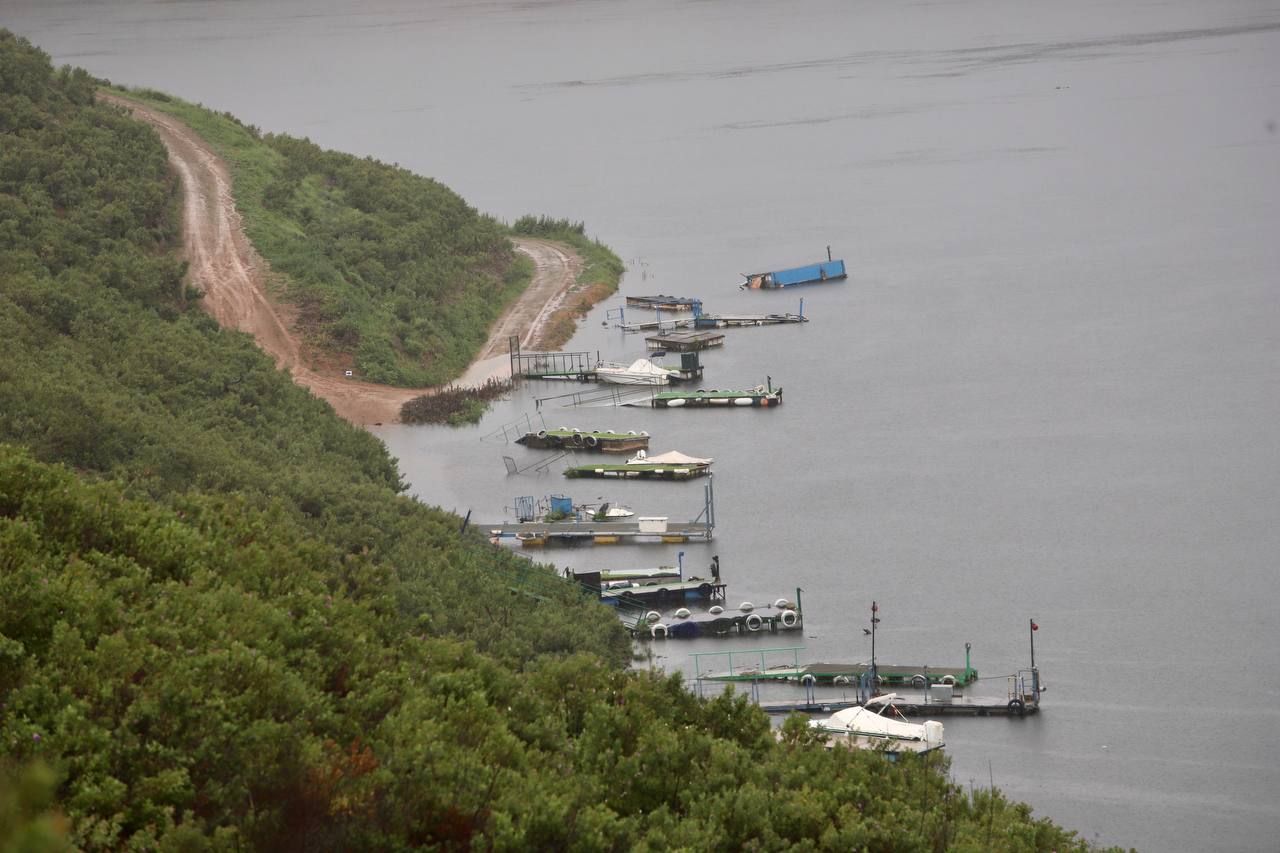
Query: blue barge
pixel 828 270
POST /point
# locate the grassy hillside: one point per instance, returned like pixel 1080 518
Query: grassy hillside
pixel 393 274
pixel 222 626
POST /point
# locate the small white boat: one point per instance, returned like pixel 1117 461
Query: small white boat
pixel 606 511
pixel 866 727
pixel 639 372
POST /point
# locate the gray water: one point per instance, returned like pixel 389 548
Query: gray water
pixel 1048 390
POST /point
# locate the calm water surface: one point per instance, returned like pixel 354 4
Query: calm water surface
pixel 1050 388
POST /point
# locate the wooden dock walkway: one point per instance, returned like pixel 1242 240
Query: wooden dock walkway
pixel 971 706
pixel 600 532
pixel 850 673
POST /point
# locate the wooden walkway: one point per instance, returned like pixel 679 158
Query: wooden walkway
pixel 602 533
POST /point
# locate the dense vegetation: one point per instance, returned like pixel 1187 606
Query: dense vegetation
pixel 222 626
pixel 454 405
pixel 393 274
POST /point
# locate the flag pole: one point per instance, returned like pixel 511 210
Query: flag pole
pixel 1033 642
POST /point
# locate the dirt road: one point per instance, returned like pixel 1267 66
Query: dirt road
pixel 225 266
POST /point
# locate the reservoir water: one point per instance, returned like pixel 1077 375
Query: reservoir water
pixel 1049 389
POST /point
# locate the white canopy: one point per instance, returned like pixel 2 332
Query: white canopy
pixel 673 457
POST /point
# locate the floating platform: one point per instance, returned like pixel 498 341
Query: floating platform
pixel 537 534
pixel 684 341
pixel 723 624
pixel 972 706
pixel 640 471
pixel 666 303
pixel 637 593
pixel 721 321
pixel 919 676
pixel 1021 697
pixel 601 441
pixel 665 466
pixel 686 591
pixel 758 397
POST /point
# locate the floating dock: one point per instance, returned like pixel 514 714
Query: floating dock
pixel 717 624
pixel 684 341
pixel 759 397
pixel 721 321
pixel 641 530
pixel 601 441
pixel 691 590
pixel 534 534
pixel 666 303
pixel 1021 698
pixel 640 471
pixel 915 675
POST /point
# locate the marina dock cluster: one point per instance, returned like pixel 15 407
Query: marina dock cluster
pixel 663 603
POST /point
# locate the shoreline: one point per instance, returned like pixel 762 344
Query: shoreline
pixel 226 267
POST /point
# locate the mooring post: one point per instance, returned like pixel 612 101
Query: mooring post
pixel 875 620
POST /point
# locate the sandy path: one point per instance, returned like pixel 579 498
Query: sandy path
pixel 225 266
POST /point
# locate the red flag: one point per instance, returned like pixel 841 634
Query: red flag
pixel 1034 626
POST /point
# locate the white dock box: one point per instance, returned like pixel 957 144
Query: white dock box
pixel 653 524
pixel 940 692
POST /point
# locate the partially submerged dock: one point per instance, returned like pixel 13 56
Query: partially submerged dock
pixel 666 303
pixel 601 441
pixel 722 321
pixel 783 615
pixel 761 396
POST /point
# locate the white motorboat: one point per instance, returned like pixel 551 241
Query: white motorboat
pixel 639 372
pixel 867 727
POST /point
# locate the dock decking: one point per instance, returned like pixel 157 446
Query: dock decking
pixel 850 673
pixel 972 706
pixel 722 321
pixel 684 341
pixel 758 397
pixel 537 534
pixel 639 471
pixel 724 624
pixel 666 303
pixel 600 441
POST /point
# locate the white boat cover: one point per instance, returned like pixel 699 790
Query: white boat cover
pixel 867 723
pixel 639 367
pixel 673 457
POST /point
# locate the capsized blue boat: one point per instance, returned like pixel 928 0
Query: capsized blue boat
pixel 828 270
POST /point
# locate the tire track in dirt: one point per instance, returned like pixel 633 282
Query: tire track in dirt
pixel 232 276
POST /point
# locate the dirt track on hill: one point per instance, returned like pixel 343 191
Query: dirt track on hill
pixel 231 274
